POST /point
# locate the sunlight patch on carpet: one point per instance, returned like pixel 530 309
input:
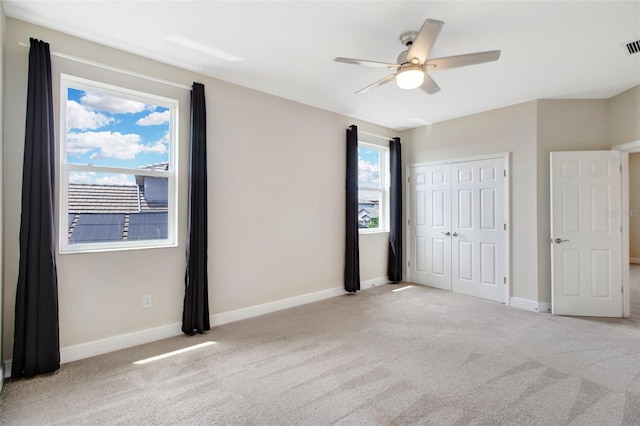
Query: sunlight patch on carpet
pixel 173 353
pixel 401 288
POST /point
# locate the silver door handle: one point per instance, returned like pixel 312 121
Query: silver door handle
pixel 455 234
pixel 446 233
pixel 560 241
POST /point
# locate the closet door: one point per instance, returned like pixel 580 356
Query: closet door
pixel 430 223
pixel 478 228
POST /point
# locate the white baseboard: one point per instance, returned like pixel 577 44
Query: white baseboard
pixel 123 341
pixel 529 305
pixel 111 344
pixel 267 308
pixel 544 307
pixel 376 282
pixel 635 260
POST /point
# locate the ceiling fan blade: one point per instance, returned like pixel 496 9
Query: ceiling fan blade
pixel 376 84
pixel 429 85
pixel 463 60
pixel 366 63
pixel 424 41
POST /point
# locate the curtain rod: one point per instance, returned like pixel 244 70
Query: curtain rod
pixel 112 68
pixel 386 138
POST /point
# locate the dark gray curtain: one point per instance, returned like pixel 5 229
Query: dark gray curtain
pixel 352 256
pixel 36 344
pixel 395 211
pixel 195 316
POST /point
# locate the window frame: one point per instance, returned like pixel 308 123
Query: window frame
pixel 65 247
pixel 383 189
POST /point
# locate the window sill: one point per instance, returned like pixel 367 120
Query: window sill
pixel 101 248
pixel 373 231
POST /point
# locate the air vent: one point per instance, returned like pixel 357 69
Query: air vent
pixel 632 47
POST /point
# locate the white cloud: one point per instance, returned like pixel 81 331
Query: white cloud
pixel 368 173
pixel 116 180
pixel 111 145
pixel 154 119
pixel 111 104
pixel 82 177
pixel 81 117
pixel 165 139
pixel 101 179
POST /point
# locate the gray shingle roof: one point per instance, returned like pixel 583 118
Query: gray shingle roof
pixel 85 198
pixel 99 213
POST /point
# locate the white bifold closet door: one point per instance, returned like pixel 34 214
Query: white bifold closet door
pixel 457 227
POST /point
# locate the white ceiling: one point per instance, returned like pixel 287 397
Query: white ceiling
pixel 549 49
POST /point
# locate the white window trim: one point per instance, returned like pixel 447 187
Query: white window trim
pixel 69 81
pixel 385 182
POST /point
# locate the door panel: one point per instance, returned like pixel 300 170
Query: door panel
pixel 464 255
pixel 586 233
pixel 430 221
pixel 478 229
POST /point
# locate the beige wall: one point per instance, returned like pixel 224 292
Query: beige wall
pixel 276 209
pixel 563 125
pixel 511 129
pixel 2 27
pixel 624 117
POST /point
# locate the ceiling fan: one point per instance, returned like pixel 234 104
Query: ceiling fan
pixel 413 65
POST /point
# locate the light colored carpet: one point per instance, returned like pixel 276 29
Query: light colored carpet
pixel 418 356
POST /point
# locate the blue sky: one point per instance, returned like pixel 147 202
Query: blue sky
pixel 368 167
pixel 112 131
pixel 368 172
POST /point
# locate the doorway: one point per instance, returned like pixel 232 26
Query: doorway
pixel 631 225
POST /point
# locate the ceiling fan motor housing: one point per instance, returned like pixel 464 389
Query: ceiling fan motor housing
pixel 407 38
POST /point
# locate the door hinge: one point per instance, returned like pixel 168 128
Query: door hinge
pixel 505 280
pixel 505 226
pixel 505 173
pixel 409 263
pixel 620 167
pixel 621 289
pixel 409 180
pixel 409 221
pixel 620 228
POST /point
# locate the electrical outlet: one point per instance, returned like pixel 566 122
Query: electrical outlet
pixel 146 301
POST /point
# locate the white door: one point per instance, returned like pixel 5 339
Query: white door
pixel 430 220
pixel 586 233
pixel 457 237
pixel 478 229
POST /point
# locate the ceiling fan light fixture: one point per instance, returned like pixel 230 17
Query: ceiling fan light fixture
pixel 410 77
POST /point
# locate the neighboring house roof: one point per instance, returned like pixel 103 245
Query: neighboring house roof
pixel 101 213
pixel 85 198
pixel 156 166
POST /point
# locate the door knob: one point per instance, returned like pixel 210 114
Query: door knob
pixel 455 234
pixel 446 233
pixel 559 241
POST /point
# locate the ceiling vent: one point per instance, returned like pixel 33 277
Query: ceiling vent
pixel 632 47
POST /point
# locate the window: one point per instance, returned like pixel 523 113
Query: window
pixel 118 168
pixel 373 190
